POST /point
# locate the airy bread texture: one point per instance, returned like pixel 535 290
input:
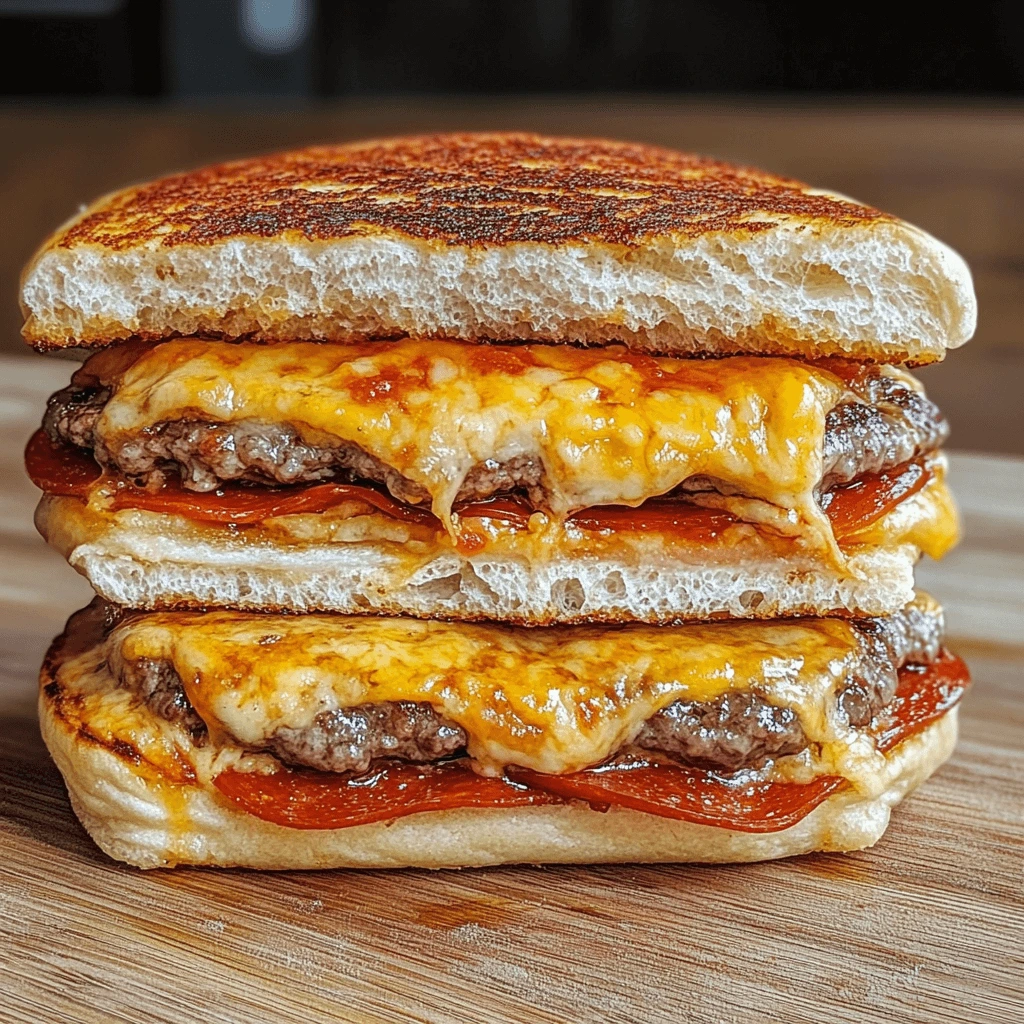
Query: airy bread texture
pixel 147 560
pixel 153 824
pixel 499 238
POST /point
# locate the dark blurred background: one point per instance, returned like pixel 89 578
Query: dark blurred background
pixel 207 48
pixel 921 116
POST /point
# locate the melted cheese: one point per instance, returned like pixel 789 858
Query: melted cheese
pixel 93 708
pixel 927 520
pixel 609 426
pixel 114 718
pixel 554 700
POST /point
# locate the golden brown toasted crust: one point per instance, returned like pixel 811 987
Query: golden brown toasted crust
pixel 499 237
pixel 492 189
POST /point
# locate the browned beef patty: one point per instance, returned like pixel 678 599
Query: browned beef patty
pixel 738 730
pixel 159 687
pixel 351 739
pixel 888 424
pixel 71 415
pixel 743 730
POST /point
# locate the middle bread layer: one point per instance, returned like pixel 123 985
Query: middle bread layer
pixel 667 560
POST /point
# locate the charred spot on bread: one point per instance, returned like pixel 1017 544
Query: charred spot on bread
pixel 472 190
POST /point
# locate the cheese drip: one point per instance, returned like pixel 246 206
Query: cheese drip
pixel 608 426
pixel 554 700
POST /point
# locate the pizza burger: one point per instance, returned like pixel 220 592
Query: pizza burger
pixel 472 499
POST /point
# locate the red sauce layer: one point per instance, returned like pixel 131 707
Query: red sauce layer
pixel 318 800
pixel 67 471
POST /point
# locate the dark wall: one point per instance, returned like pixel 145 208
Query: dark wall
pixel 178 48
pixel 661 46
pixel 61 55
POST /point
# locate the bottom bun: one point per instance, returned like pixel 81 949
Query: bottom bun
pixel 148 821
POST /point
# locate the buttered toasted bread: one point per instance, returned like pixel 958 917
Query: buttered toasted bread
pixel 498 237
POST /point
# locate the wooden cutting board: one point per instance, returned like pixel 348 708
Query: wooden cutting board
pixel 927 926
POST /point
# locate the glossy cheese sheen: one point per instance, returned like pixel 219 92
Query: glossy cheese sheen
pixel 80 694
pixel 554 700
pixel 611 427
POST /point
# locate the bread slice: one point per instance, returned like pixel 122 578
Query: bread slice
pixel 305 563
pixel 143 571
pixel 151 825
pixel 500 237
pixel 151 814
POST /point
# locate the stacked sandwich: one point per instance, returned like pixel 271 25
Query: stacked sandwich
pixel 427 531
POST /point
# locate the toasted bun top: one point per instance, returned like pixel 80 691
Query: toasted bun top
pixel 460 190
pixel 499 237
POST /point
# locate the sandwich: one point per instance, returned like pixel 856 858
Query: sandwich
pixel 473 499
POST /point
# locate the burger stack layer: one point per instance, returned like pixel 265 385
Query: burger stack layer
pixel 476 499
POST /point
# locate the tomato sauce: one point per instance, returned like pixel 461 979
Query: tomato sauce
pixel 67 471
pixel 318 800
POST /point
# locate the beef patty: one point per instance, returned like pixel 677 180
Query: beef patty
pixel 737 730
pixel 886 424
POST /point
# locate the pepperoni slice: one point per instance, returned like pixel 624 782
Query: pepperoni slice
pixel 318 800
pixel 60 469
pixel 689 794
pixel 854 506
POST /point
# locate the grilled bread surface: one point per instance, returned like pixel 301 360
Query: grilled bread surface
pixel 499 237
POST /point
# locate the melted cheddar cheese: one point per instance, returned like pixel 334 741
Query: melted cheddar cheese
pixel 92 707
pixel 609 426
pixel 554 700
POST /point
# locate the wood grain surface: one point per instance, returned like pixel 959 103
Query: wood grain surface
pixel 927 926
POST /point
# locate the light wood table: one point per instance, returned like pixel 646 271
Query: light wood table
pixel 928 926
